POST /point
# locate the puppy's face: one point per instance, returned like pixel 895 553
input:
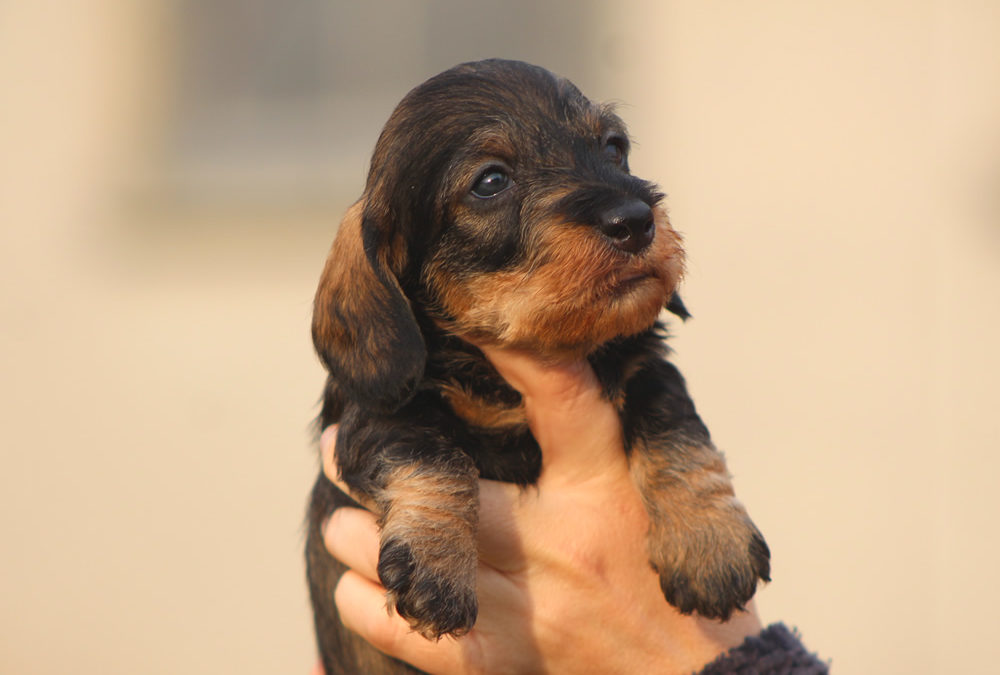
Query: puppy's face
pixel 555 251
pixel 499 199
pixel 539 238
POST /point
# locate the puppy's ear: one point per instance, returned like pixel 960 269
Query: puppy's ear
pixel 363 326
pixel 676 307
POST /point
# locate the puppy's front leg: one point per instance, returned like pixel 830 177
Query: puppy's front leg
pixel 427 498
pixel 707 551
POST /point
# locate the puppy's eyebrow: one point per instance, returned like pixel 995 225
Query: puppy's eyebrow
pixel 481 146
pixel 489 141
pixel 608 120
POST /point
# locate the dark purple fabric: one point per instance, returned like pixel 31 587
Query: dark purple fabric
pixel 776 651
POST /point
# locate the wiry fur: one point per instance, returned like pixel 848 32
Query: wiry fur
pixel 574 258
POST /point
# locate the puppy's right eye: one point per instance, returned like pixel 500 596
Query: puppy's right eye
pixel 492 182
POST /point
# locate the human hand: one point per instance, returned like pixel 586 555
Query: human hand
pixel 564 583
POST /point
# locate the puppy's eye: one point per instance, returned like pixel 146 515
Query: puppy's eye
pixel 492 182
pixel 614 150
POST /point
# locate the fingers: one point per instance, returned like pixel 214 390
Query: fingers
pixel 351 536
pixel 577 428
pixel 327 446
pixel 500 520
pixel 361 604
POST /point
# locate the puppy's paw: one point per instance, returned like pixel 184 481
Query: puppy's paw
pixel 437 597
pixel 712 566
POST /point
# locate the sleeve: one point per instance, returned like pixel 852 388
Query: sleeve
pixel 775 651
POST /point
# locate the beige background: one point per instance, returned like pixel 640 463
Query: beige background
pixel 834 166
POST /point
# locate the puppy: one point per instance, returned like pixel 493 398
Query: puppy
pixel 499 209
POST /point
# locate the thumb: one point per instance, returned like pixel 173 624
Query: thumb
pixel 577 428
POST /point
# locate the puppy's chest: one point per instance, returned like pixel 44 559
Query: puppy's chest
pixel 469 385
pixel 489 424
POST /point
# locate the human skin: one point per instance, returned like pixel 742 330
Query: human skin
pixel 564 581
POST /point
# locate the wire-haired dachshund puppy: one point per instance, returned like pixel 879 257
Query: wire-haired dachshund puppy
pixel 499 209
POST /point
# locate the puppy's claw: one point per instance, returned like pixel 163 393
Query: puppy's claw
pixel 434 604
pixel 720 584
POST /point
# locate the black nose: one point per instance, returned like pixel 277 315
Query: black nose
pixel 629 226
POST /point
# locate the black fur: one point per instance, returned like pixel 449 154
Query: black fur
pixel 394 345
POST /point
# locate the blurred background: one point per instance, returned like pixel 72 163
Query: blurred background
pixel 171 176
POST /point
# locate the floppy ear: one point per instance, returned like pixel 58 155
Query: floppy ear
pixel 363 326
pixel 676 306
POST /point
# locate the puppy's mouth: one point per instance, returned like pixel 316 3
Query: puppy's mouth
pixel 634 281
pixel 631 281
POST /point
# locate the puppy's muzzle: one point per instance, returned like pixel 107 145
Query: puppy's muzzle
pixel 629 226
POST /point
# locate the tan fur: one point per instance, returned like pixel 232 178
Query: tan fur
pixel 348 273
pixel 344 263
pixel 434 509
pixel 356 291
pixel 416 494
pixel 480 413
pixel 696 522
pixel 466 223
pixel 568 296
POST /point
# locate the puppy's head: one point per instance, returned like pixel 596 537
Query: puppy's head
pixel 499 205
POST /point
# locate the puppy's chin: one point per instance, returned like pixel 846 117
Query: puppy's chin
pixel 594 312
pixel 559 331
pixel 633 307
pixel 626 308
